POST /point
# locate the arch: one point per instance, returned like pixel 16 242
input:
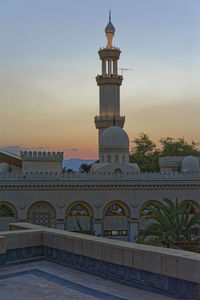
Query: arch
pixel 81 207
pixel 185 204
pixel 149 208
pixel 121 204
pixel 8 214
pixel 7 210
pixel 115 220
pixel 102 158
pixel 117 171
pixel 115 209
pixel 79 216
pixel 42 213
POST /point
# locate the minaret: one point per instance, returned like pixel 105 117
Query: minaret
pixel 109 84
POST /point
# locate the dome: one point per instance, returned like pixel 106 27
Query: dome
pixel 190 163
pixel 110 28
pixel 114 137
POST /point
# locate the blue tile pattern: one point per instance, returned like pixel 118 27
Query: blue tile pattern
pixel 63 282
pixel 155 283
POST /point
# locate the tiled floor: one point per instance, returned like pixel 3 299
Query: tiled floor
pixel 42 279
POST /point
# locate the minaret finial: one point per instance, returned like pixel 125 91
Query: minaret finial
pixel 110 31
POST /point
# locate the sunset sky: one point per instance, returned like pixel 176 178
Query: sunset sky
pixel 49 60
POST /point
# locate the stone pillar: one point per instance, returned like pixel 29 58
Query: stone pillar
pixel 103 67
pixel 98 228
pixel 115 67
pixel 133 226
pixel 109 67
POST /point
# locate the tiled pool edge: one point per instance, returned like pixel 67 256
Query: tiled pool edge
pixel 123 274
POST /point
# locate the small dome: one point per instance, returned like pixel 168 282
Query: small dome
pixel 110 28
pixel 189 164
pixel 115 137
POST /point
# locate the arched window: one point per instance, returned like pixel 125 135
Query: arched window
pixel 149 209
pixel 184 207
pixel 78 210
pixel 42 213
pixel 115 210
pixel 102 157
pixel 6 211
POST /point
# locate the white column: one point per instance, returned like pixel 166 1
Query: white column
pixel 133 231
pixel 103 67
pixel 97 228
pixel 115 67
pixel 109 67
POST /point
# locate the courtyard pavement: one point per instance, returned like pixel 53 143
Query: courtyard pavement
pixel 46 279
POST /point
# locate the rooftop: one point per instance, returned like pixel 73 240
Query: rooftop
pixel 46 279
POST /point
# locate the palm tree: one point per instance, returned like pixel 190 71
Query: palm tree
pixel 171 226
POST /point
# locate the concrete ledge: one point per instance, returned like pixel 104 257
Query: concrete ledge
pixel 168 262
pixel 167 269
pixel 22 239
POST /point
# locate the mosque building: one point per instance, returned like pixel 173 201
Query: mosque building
pixel 114 198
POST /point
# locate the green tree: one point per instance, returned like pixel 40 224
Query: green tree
pixel 178 147
pixel 171 226
pixel 84 168
pixel 145 154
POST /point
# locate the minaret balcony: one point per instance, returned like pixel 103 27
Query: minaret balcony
pixel 108 53
pixel 107 121
pixel 109 79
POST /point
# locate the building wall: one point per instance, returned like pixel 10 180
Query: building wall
pixel 56 198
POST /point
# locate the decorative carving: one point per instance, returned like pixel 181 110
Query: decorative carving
pixel 134 205
pixel 60 204
pixel 42 214
pixel 13 186
pixel 98 204
pixel 22 205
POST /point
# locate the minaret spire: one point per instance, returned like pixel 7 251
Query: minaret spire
pixel 109 83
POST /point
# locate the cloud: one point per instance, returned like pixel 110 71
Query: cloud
pixel 74 149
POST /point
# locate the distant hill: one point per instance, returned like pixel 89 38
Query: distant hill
pixel 74 163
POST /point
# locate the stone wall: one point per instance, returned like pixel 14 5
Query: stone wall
pixel 58 192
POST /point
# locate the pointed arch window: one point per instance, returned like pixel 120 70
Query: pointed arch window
pixel 78 210
pixel 115 210
pixel 6 211
pixel 149 209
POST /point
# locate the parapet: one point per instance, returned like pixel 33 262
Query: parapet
pixel 41 156
pixel 41 161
